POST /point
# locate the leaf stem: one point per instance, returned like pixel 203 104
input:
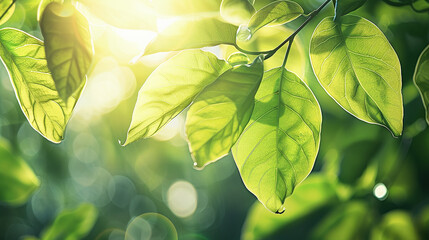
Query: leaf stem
pixel 7 9
pixel 287 52
pixel 270 53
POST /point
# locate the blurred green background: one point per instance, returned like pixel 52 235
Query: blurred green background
pixel 365 184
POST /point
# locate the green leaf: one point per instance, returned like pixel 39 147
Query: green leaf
pixel 68 47
pixel 359 69
pixel 17 180
pixel 395 225
pixel 4 4
pixel 72 224
pixel 276 13
pixel 171 88
pixel 42 5
pixel 127 14
pixel 185 7
pixel 314 193
pixel 191 33
pixel 421 79
pixel 348 221
pixel 24 57
pixel 343 7
pixel 236 11
pixel 279 145
pixel 221 111
pixel 154 225
pixel 238 58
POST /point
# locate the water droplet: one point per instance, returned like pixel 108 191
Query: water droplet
pixel 243 33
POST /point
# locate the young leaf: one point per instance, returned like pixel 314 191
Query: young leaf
pixel 238 58
pixel 221 111
pixel 68 47
pixel 17 180
pixel 312 194
pixel 279 145
pixel 192 33
pixel 358 68
pixel 72 224
pixel 185 7
pixel 24 57
pixel 421 79
pixel 343 7
pixel 171 88
pixel 127 14
pixel 276 13
pixel 236 11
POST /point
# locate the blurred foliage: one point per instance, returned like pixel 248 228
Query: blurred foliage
pixel 338 201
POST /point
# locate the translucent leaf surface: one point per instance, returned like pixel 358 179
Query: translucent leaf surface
pixel 192 33
pixel 421 79
pixel 171 88
pixel 221 111
pixel 236 11
pixel 343 7
pixel 315 192
pixel 72 224
pixel 279 145
pixel 357 66
pixel 24 57
pixel 17 180
pixel 68 47
pixel 279 12
pixel 4 4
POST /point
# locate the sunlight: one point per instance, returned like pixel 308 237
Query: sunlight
pixel 182 199
pixel 380 191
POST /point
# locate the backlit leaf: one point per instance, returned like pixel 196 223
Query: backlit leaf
pixel 171 88
pixel 221 111
pixel 68 47
pixel 312 194
pixel 236 11
pixel 396 225
pixel 279 145
pixel 4 4
pixel 17 180
pixel 42 5
pixel 72 224
pixel 359 69
pixel 24 57
pixel 279 12
pixel 421 79
pixel 191 33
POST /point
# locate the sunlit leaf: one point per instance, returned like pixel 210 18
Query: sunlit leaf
pixel 357 66
pixel 236 11
pixel 73 224
pixel 17 180
pixel 343 7
pixel 221 111
pixel 185 7
pixel 312 194
pixel 171 88
pixel 42 6
pixel 238 58
pixel 421 79
pixel 4 5
pixel 279 12
pixel 24 57
pixel 348 221
pixel 68 47
pixel 278 147
pixel 395 225
pixel 128 14
pixel 151 226
pixel 192 33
